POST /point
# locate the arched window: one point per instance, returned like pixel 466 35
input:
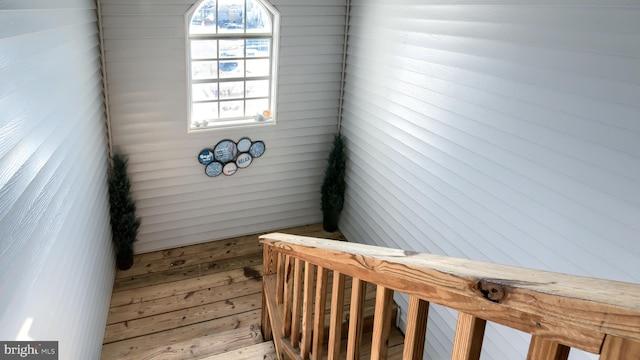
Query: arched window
pixel 232 51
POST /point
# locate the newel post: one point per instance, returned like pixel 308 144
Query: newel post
pixel 270 263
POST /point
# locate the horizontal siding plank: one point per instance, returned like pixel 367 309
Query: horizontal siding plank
pixel 46 4
pixel 149 2
pixel 231 219
pixel 156 9
pixel 269 223
pixel 198 207
pixel 305 59
pixel 133 22
pixel 204 215
pixel 176 43
pixel 15 23
pixel 123 33
pixel 294 32
pixel 301 21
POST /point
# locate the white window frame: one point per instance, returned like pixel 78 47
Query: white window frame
pixel 273 75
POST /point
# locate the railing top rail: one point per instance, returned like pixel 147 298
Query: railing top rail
pixel 578 309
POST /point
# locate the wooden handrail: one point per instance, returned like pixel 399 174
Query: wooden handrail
pixel 560 311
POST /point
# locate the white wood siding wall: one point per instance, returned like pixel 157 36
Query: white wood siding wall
pixel 499 131
pixel 178 203
pixel 56 257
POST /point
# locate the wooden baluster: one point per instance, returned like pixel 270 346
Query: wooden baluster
pixel 307 310
pixel 416 331
pixel 358 290
pixel 297 303
pixel 318 313
pixel 545 349
pixel 280 278
pixel 335 321
pixel 617 348
pixel 265 324
pixel 269 260
pixel 467 343
pixel 270 266
pixel 287 298
pixel 381 323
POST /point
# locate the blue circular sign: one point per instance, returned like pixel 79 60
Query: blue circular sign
pixel 213 169
pixel 225 151
pixel 257 149
pixel 205 157
pixel 244 144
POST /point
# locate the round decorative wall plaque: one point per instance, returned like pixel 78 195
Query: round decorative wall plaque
pixel 205 157
pixel 244 144
pixel 244 160
pixel 225 151
pixel 257 149
pixel 230 168
pixel 213 169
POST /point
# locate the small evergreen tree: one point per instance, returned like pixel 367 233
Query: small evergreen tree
pixel 333 186
pixel 124 222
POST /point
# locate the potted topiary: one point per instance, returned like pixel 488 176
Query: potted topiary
pixel 333 186
pixel 124 222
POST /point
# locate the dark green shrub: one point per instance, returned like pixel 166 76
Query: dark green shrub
pixel 333 186
pixel 124 222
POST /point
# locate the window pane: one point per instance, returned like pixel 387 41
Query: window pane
pixel 230 62
pixel 204 92
pixel 204 49
pixel 257 67
pixel 258 21
pixel 231 16
pixel 256 106
pixel 203 112
pixel 232 90
pixel 204 70
pixel 204 19
pixel 257 88
pixel 231 48
pixel 231 109
pixel 231 69
pixel 258 47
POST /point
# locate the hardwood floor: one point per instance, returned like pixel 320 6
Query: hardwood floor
pixel 196 302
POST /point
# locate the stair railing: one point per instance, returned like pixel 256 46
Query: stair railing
pixel 559 311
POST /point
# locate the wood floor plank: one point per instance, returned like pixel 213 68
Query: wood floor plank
pixel 263 351
pixel 182 317
pixel 141 260
pixel 200 347
pixel 218 250
pixel 187 272
pixel 184 287
pixel 396 340
pixel 132 348
pixel 181 301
